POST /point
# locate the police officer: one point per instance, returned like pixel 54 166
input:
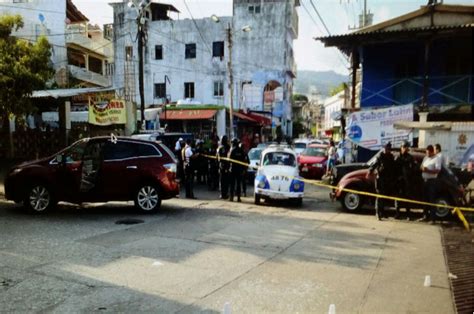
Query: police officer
pixel 224 166
pixel 407 174
pixel 385 183
pixel 213 169
pixel 244 171
pixel 188 155
pixel 236 154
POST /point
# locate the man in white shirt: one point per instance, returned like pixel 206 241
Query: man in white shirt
pixel 430 167
pixel 188 154
pixel 439 154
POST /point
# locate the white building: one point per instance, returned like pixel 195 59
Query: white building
pixel 78 50
pixel 333 111
pixel 188 59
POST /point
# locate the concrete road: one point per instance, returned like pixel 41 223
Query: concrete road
pixel 198 255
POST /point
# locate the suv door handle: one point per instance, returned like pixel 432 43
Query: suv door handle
pixel 132 167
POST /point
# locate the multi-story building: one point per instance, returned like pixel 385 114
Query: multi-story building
pixel 187 61
pixel 80 54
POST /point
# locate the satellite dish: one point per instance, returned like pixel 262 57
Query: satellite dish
pixel 41 17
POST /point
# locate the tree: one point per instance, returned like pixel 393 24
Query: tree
pixel 24 67
pixel 337 89
pixel 299 97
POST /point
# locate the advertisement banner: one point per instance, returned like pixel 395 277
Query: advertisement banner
pixel 107 112
pixel 372 129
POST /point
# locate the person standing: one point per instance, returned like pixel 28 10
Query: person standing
pixel 179 156
pixel 213 169
pixel 430 168
pixel 332 157
pixel 385 182
pixel 188 156
pixel 406 176
pixel 224 166
pixel 440 155
pixel 244 171
pixel 237 157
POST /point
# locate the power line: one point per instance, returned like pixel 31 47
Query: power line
pixel 320 18
pixel 197 27
pixel 311 17
pixel 31 9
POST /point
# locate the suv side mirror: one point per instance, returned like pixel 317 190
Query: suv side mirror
pixel 258 164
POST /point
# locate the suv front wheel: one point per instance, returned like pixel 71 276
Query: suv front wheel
pixel 147 198
pixel 38 198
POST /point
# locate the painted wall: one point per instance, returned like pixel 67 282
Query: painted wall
pixel 42 17
pixel 388 80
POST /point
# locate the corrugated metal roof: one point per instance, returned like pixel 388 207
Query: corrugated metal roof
pixel 69 92
pixel 417 29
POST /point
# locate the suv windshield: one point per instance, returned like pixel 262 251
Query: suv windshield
pixel 279 158
pixel 75 152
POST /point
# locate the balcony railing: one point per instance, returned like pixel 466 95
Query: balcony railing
pixel 442 90
pixel 88 76
pixel 78 36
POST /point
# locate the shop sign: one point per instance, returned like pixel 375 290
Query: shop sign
pixel 107 112
pixel 372 129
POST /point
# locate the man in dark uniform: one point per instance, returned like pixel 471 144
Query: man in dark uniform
pixel 385 182
pixel 213 169
pixel 224 166
pixel 244 170
pixel 188 156
pixel 407 174
pixel 236 169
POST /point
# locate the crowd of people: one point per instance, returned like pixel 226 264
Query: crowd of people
pixel 401 177
pixel 209 164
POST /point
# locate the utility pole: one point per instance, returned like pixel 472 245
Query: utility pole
pixel 141 42
pixel 231 80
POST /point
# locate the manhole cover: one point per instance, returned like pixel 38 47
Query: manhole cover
pixel 129 221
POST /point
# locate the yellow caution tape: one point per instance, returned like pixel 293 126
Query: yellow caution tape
pixel 455 210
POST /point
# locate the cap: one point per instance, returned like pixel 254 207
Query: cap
pixel 405 144
pixel 388 145
pixel 180 139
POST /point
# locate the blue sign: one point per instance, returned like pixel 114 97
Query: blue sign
pixel 41 18
pixel 355 133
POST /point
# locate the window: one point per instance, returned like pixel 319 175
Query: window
pixel 188 90
pixel 251 9
pixel 158 52
pixel 190 52
pixel 119 150
pixel 145 150
pixel 218 49
pixel 120 19
pixel 128 53
pixel 257 9
pixel 160 90
pixel 218 89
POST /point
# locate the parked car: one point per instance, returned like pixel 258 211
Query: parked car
pixel 313 161
pixel 98 169
pixel 254 158
pixel 451 192
pixel 300 145
pixel 168 139
pixel 277 176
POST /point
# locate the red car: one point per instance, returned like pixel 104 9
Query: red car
pixel 313 161
pixel 99 169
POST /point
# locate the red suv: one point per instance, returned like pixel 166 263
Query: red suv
pixel 313 161
pixel 98 169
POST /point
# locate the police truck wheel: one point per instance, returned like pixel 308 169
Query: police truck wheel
pixel 257 199
pixel 442 212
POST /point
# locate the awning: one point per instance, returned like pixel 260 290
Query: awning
pixel 69 92
pixel 192 114
pixel 76 116
pixel 245 117
pixel 264 121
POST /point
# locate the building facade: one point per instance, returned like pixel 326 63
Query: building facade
pixel 80 54
pixel 187 61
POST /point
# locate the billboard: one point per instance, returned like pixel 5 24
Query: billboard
pixel 372 129
pixel 107 112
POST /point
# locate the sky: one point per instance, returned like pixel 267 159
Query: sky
pixel 338 15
